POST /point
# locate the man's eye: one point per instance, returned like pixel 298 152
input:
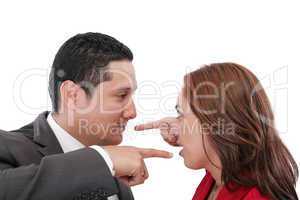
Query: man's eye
pixel 122 95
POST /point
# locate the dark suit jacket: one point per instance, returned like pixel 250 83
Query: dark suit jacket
pixel 34 167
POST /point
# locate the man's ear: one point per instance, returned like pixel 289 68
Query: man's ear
pixel 71 95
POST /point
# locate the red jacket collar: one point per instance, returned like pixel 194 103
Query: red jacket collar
pixel 240 193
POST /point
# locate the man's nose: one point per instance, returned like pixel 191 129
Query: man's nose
pixel 130 110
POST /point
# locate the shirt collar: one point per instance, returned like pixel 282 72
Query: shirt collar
pixel 239 193
pixel 66 140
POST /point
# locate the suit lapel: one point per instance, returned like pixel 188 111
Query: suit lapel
pixel 44 136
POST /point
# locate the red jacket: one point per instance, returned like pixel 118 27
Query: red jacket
pixel 242 193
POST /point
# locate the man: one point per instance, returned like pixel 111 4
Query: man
pixel 58 155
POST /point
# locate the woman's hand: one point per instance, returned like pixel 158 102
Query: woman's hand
pixel 169 129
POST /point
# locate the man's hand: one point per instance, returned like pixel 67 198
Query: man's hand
pixel 169 129
pixel 129 162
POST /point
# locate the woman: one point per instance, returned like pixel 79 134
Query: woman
pixel 226 126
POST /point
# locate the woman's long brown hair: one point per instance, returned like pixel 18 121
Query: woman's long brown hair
pixel 247 143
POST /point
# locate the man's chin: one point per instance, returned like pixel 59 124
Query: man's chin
pixel 117 140
pixel 112 140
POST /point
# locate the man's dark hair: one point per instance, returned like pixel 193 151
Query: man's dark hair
pixel 83 59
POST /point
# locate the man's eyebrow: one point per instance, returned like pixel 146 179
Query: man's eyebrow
pixel 126 88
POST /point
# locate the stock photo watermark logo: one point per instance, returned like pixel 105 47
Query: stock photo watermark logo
pixel 275 83
pixel 276 86
pixel 238 99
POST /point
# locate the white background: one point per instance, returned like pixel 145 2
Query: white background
pixel 168 39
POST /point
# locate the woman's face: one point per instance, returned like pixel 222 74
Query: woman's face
pixel 191 137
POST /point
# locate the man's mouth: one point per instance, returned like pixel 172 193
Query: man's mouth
pixel 119 127
pixel 122 125
pixel 122 128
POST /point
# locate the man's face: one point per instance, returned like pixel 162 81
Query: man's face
pixel 103 116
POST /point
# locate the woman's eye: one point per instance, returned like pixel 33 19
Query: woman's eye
pixel 179 116
pixel 178 110
pixel 179 113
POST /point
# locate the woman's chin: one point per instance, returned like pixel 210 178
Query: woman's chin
pixel 192 165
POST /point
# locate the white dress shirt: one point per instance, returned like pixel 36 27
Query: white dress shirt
pixel 69 143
